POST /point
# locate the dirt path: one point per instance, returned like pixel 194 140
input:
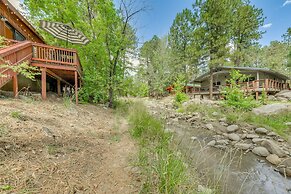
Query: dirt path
pixel 50 148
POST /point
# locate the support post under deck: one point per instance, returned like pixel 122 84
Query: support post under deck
pixel 15 85
pixel 76 87
pixel 43 83
pixel 59 87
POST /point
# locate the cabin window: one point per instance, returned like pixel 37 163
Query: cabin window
pixel 16 35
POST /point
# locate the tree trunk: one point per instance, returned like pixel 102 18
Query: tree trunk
pixel 111 95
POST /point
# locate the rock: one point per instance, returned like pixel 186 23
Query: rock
pixel 204 190
pixel 257 140
pixel 285 167
pixel 243 146
pixel 223 124
pixel 273 159
pixel 261 151
pixel 280 140
pixel 261 131
pixel 273 148
pixel 175 119
pixel 211 143
pixel 272 134
pixel 232 128
pixel 272 109
pixel 243 136
pixel 215 114
pixel 288 123
pixel 252 136
pixel 193 138
pixel 272 98
pixel 234 137
pixel 222 147
pixel 192 119
pixel 222 142
pixel 209 126
pixel 223 120
pixel 286 94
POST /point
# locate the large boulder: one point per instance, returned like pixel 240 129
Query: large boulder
pixel 272 147
pixel 232 128
pixel 243 146
pixel 261 151
pixel 272 109
pixel 285 167
pixel 273 159
pixel 234 137
pixel 285 94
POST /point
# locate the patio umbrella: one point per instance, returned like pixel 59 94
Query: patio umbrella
pixel 64 32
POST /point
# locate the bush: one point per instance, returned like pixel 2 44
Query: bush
pixel 234 96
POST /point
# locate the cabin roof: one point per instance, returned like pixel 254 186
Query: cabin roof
pixel 18 14
pixel 244 70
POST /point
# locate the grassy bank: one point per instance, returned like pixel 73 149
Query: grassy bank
pixel 162 166
pixel 275 123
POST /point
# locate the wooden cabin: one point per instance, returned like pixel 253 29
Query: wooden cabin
pixel 59 67
pixel 259 80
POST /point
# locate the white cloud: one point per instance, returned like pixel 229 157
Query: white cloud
pixel 267 25
pixel 287 2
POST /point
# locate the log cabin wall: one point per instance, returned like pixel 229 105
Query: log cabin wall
pixel 13 24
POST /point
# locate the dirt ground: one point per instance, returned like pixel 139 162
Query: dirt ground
pixel 47 147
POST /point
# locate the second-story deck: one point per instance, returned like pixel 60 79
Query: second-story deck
pixel 59 63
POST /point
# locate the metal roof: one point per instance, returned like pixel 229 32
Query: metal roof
pixel 252 69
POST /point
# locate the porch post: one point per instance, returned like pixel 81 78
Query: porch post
pixel 76 87
pixel 59 87
pixel 43 83
pixel 15 85
pixel 211 84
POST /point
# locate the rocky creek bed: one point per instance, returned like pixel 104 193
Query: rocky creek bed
pixel 240 158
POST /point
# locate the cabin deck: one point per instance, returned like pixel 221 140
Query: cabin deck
pixel 257 86
pixel 58 63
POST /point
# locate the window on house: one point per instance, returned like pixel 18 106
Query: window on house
pixel 16 35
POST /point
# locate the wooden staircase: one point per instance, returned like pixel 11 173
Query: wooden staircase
pixel 13 55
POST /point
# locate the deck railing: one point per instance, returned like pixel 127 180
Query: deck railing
pixel 11 56
pixel 252 86
pixel 50 54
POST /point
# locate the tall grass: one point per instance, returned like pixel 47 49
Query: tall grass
pixel 163 168
pixel 275 122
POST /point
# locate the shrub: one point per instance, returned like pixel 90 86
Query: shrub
pixel 234 96
pixel 181 97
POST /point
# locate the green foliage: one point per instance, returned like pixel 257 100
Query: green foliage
pixel 264 97
pixel 6 187
pixel 111 39
pixel 155 70
pixel 16 114
pixel 274 122
pixel 234 96
pixel 181 97
pixel 24 69
pixel 164 170
pixel 2 41
pixel 3 130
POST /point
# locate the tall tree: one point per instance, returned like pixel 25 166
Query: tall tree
pixel 109 31
pixel 183 44
pixel 245 29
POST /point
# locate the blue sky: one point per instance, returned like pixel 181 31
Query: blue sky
pixel 161 13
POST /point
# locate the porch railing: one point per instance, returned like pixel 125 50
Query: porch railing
pixel 252 86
